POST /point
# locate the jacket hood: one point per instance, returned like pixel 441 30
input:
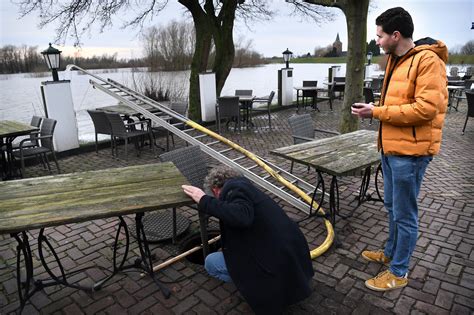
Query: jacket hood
pixel 437 46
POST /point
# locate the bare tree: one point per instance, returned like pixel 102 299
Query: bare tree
pixel 468 48
pixel 169 47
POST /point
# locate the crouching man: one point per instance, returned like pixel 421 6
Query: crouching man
pixel 263 251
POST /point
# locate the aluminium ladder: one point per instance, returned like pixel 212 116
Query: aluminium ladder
pixel 286 186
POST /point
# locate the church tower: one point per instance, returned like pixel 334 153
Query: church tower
pixel 337 46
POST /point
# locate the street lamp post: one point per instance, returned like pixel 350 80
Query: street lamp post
pixel 51 56
pixel 369 58
pixel 287 55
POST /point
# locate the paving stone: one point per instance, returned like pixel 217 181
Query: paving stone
pixel 429 308
pixel 461 310
pixel 403 305
pixel 207 297
pixel 444 299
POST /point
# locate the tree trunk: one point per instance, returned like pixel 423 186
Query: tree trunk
pixel 203 29
pixel 198 65
pixel 224 41
pixel 356 18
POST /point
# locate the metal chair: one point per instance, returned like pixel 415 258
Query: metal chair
pixel 462 95
pixel 337 86
pixel 191 162
pixel 243 92
pixel 35 122
pixel 123 130
pixel 453 71
pixel 228 107
pixel 370 98
pixel 267 99
pixel 376 84
pixel 470 107
pixel 101 125
pixel 312 94
pixel 44 146
pixel 302 130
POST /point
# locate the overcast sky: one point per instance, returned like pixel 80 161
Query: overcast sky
pixel 448 20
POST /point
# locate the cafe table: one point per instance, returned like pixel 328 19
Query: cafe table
pixel 337 156
pixel 308 88
pixel 9 130
pixel 50 201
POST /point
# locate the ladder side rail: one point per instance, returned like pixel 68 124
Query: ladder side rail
pixel 162 108
pixel 140 97
pixel 298 203
pixel 301 183
pixel 72 66
pixel 146 99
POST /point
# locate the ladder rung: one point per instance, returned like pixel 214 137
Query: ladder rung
pixel 225 150
pixel 212 143
pixel 200 136
pixel 239 158
pixel 252 167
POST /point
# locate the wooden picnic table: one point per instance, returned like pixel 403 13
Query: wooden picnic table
pixel 42 202
pixel 340 155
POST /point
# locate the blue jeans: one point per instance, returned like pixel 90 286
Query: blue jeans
pixel 216 267
pixel 402 177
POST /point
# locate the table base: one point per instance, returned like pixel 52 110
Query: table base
pixel 30 286
pixel 334 197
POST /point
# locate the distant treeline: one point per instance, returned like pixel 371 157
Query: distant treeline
pixel 166 48
pixel 14 59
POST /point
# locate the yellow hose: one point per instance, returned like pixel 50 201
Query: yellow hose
pixel 329 238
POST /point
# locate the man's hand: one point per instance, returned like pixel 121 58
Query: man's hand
pixel 193 192
pixel 363 110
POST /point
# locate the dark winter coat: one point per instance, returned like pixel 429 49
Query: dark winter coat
pixel 265 252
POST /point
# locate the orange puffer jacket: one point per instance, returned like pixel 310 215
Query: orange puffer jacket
pixel 414 101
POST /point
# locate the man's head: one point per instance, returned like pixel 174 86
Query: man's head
pixel 218 176
pixel 393 27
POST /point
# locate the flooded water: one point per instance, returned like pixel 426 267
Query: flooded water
pixel 20 94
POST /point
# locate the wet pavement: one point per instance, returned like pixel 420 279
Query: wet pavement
pixel 441 277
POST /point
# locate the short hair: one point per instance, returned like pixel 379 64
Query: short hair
pixel 396 19
pixel 218 176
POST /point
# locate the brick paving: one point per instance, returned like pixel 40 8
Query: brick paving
pixel 441 278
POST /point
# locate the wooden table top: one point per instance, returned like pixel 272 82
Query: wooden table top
pixel 11 128
pixel 338 155
pixel 77 197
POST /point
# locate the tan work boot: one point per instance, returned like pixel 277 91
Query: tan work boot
pixel 386 281
pixel 376 256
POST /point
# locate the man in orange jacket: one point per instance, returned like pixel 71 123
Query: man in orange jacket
pixel 411 114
